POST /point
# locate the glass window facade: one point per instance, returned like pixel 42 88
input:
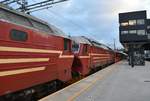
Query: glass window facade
pixel 124 24
pixel 148 27
pixel 124 32
pixel 132 22
pixel 136 29
pixel 141 32
pixel 132 31
pixel 140 22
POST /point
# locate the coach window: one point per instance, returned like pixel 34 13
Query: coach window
pixel 132 22
pixel 18 35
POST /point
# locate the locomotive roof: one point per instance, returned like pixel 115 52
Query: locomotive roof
pixel 80 39
pixel 85 40
pixel 97 44
pixel 121 52
pixel 23 19
pixel 101 45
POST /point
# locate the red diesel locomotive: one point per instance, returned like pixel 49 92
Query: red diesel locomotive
pixel 89 54
pixel 36 57
pixel 31 53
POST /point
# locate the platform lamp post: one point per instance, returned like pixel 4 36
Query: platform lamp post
pixel 114 44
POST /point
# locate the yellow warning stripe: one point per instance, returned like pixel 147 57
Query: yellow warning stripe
pixel 99 57
pixel 16 49
pixel 84 57
pixel 21 71
pixel 98 54
pixel 21 60
pixel 66 56
pixel 93 54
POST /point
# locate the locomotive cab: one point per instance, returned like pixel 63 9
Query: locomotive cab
pixel 65 61
pixel 81 50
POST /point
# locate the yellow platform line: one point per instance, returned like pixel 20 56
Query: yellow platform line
pixel 84 89
pixel 90 85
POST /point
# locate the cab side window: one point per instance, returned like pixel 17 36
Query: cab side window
pixel 75 47
pixel 18 35
pixel 85 49
pixel 66 44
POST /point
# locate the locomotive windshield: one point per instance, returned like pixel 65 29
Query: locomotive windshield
pixel 75 47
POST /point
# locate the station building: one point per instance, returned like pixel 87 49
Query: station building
pixel 134 34
pixel 133 27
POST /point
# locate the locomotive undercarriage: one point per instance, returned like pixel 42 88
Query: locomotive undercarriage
pixel 34 93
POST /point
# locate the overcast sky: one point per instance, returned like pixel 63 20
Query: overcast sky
pixel 93 18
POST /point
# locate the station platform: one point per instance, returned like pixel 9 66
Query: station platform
pixel 118 82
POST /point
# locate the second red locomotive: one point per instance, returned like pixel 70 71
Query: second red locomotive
pixel 89 55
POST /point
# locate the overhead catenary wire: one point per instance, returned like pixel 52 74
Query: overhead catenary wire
pixel 4 1
pixel 72 22
pixel 34 6
pixel 9 2
pixel 62 18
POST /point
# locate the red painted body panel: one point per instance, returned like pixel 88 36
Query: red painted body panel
pixel 104 57
pixel 64 70
pixel 36 41
pixel 85 66
pixel 117 57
